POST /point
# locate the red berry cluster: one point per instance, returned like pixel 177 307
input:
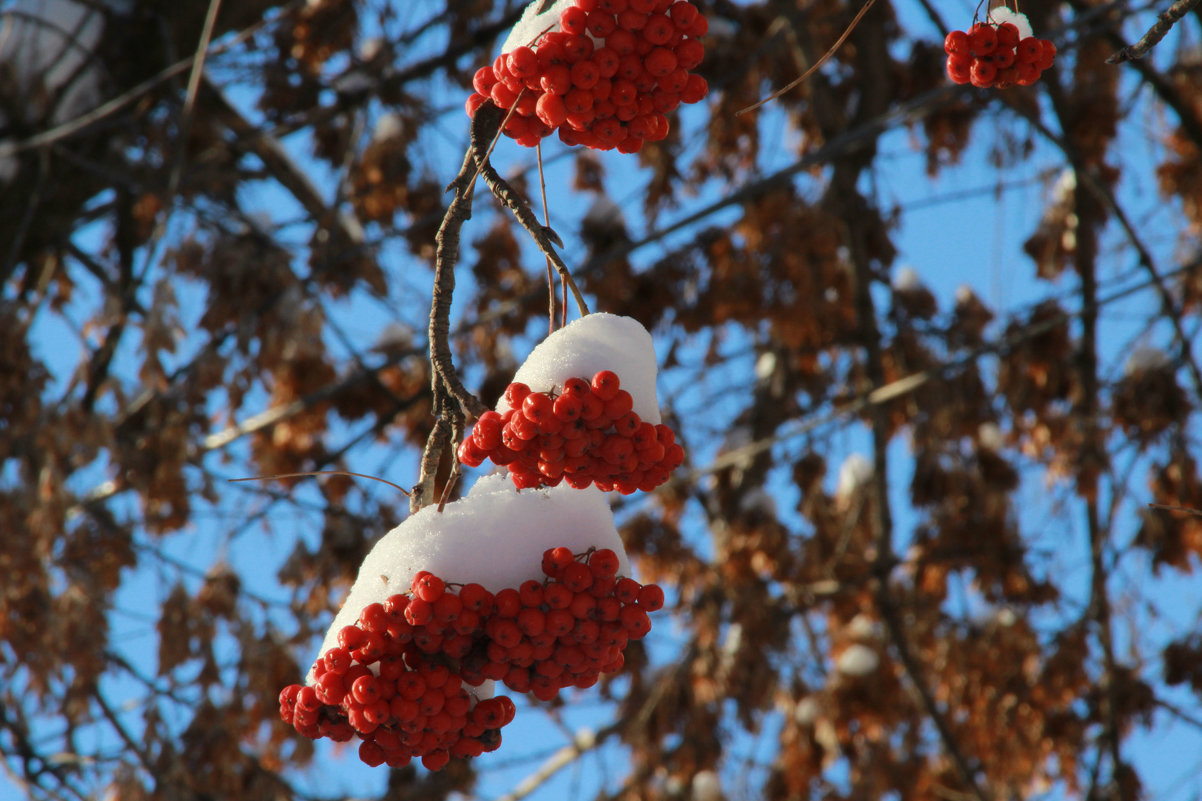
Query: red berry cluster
pixel 605 79
pixel 588 434
pixel 565 630
pixel 396 678
pixel 988 56
pixel 409 707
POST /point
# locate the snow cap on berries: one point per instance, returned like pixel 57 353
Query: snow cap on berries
pixel 533 23
pixel 1001 15
pixel 593 343
pixel 494 536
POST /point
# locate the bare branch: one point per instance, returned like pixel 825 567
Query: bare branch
pixel 1164 21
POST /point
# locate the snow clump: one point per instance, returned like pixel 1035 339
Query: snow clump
pixel 494 536
pixel 596 342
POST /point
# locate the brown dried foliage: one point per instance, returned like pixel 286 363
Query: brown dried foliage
pixel 922 644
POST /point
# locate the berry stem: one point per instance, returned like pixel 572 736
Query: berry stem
pixel 825 57
pixel 543 236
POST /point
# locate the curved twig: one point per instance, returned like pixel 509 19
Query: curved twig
pixel 543 236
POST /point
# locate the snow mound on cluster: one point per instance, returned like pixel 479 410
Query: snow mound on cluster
pixel 1002 15
pixel 593 343
pixel 535 23
pixel 494 536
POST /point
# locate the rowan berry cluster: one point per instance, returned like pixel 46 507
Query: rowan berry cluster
pixel 606 78
pixel 565 630
pixel 398 677
pixel 988 56
pixel 588 434
pixel 401 703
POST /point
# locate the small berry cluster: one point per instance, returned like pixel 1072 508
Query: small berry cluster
pixel 605 79
pixel 988 56
pixel 588 434
pixel 409 706
pixel 566 630
pixel 398 677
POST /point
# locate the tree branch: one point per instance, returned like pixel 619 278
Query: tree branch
pixel 1164 21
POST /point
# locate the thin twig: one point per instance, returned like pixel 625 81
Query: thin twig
pixel 1164 21
pixel 542 185
pixel 1167 508
pixel 818 64
pixel 400 489
pixel 544 237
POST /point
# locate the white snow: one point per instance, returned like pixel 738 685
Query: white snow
pixel 855 472
pixel 806 711
pixel 1145 358
pixel 765 365
pixel 990 436
pixel 706 786
pixel 907 280
pixel 494 536
pixel 863 627
pixel 604 213
pixel 1001 15
pixel 389 125
pixel 586 346
pixel 857 660
pixel 534 23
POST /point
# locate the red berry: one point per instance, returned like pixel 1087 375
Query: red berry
pixel 585 74
pixel 484 80
pixel 531 621
pixel 651 598
pixel 522 62
pixel 419 612
pixel 371 754
pixel 1029 51
pixel 660 61
pixel 476 598
pixel 508 603
pixel 627 590
pixel 621 42
pixel 983 74
pixel 577 577
pixel 683 14
pixel 366 689
pixel 573 20
pixel 1048 55
pixel 956 42
pixel 374 618
pixel 447 608
pixel 959 67
pixel 689 54
pixel 577 47
pixel 604 563
pixel 982 40
pixel 631 20
pixel 636 622
pixel 515 393
pixel 428 587
pixel 557 596
pixel 435 760
pixel 600 24
pixel 531 593
pixel 606 384
pixel 695 91
pixel 1007 35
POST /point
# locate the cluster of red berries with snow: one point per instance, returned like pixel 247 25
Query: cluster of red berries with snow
pixel 396 678
pixel 588 434
pixel 605 74
pixel 996 56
